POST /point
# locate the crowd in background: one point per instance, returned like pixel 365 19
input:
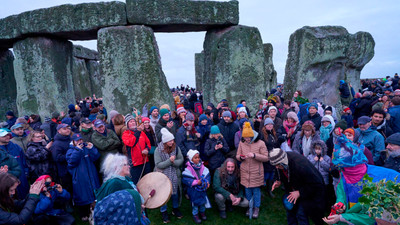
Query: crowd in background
pixel 89 155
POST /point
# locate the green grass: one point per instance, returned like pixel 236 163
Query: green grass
pixel 271 212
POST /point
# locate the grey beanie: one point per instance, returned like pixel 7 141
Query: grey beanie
pixel 268 121
pixel 227 114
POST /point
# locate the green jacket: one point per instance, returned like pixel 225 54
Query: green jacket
pixel 355 214
pixel 106 144
pixel 21 141
pixel 219 189
pixel 117 184
pixel 11 162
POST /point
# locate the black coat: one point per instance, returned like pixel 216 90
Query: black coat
pixel 306 179
pixel 24 209
pixel 59 150
pixel 364 107
pixel 228 130
pixel 316 119
pixel 38 160
pixel 393 163
pixel 216 157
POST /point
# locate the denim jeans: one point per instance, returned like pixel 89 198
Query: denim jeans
pixel 254 193
pixel 175 203
pixel 197 209
pixel 297 216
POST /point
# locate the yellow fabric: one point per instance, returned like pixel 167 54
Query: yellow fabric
pixel 247 130
pixel 351 204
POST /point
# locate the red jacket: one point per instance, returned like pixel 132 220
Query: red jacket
pixel 135 153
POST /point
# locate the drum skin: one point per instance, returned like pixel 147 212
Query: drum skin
pixel 160 183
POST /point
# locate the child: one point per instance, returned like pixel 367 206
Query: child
pixel 52 199
pixel 319 159
pixel 197 179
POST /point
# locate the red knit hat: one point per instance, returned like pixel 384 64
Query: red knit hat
pixel 145 119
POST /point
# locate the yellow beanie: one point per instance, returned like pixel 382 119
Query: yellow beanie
pixel 247 130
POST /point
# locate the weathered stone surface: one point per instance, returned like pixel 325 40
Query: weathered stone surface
pixel 96 78
pixel 234 66
pixel 131 66
pixel 182 15
pixel 319 57
pixel 74 22
pixel 199 70
pixel 270 71
pixel 43 73
pixel 8 90
pixel 81 79
pixel 85 53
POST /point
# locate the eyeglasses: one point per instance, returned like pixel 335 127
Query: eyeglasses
pixel 126 164
pixel 37 136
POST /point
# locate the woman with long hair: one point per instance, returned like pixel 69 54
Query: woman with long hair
pixel 17 211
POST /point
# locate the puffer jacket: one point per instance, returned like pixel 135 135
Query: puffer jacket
pixel 324 165
pixel 251 169
pixel 216 157
pixel 13 166
pixel 135 155
pixel 38 160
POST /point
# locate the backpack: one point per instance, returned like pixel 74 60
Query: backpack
pixel 198 108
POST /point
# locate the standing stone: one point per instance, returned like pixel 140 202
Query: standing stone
pixel 8 90
pixel 199 70
pixel 81 79
pixel 85 53
pixel 43 73
pixel 234 66
pixel 96 78
pixel 270 71
pixel 319 57
pixel 131 66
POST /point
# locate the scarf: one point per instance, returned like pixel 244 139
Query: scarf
pixel 170 171
pixel 56 121
pixel 354 174
pixel 191 133
pixel 325 132
pixel 306 144
pixel 86 130
pixel 289 128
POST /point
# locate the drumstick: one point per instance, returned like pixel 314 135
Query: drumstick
pixel 152 193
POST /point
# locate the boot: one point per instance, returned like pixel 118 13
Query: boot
pixel 176 212
pixel 165 217
pixel 197 219
pixel 203 216
pixel 256 212
pixel 222 214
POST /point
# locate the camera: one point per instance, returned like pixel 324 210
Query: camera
pixel 219 142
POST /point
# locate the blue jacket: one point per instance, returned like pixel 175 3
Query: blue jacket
pixel 395 118
pixel 374 141
pixel 205 135
pixel 84 174
pixel 197 193
pixel 46 204
pixel 11 122
pixel 17 152
pixel 59 150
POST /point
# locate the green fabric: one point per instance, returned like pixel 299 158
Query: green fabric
pixel 111 186
pixel 219 189
pixel 137 199
pixel 11 162
pixel 106 144
pixel 354 215
pixel 153 148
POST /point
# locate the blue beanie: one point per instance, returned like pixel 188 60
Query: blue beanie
pixel 215 130
pixel 241 121
pixel 71 107
pixel 315 105
pixel 202 117
pixel 67 120
pixel 240 105
pixel 152 108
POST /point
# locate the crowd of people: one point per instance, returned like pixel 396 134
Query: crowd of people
pixel 91 158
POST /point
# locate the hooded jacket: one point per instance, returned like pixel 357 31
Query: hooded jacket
pixel 135 151
pixel 59 150
pixel 316 119
pixel 324 165
pixel 252 169
pixel 374 141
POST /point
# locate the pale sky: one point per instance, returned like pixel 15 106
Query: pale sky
pixel 276 20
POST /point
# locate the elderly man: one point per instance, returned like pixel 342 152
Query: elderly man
pixel 393 150
pixel 86 129
pixel 371 138
pixel 105 140
pixel 226 184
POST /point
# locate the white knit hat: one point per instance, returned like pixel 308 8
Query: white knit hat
pixel 271 108
pixel 166 135
pixel 191 153
pixel 242 109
